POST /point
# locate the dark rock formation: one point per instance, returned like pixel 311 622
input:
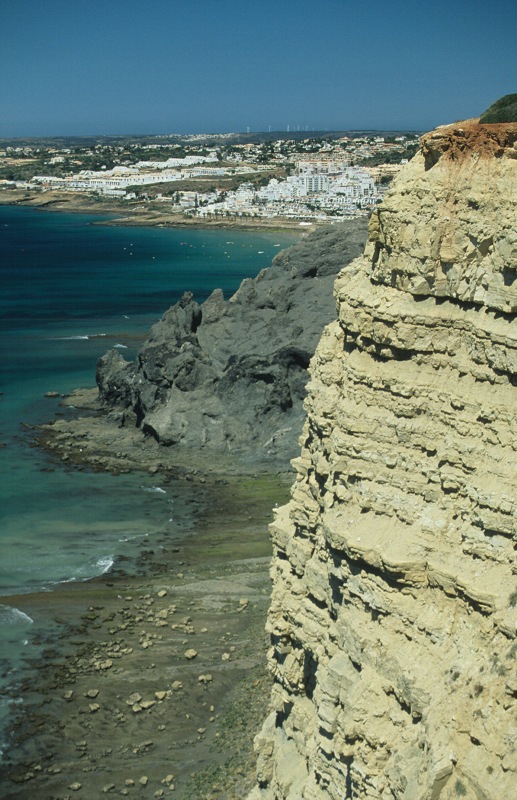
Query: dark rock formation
pixel 229 376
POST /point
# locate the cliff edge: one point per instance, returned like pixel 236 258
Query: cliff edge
pixel 394 607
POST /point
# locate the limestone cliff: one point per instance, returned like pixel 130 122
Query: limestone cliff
pixel 394 607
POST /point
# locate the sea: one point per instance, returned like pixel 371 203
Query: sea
pixel 71 288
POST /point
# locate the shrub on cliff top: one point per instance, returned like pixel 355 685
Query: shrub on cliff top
pixel 503 110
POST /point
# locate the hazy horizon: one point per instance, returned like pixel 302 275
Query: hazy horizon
pixel 136 135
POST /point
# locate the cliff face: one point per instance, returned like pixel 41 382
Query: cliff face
pixel 394 607
pixel 228 377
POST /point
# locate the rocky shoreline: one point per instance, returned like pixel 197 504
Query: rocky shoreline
pixel 218 385
pixel 87 436
pixel 155 680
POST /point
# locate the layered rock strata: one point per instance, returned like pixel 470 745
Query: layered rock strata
pixel 394 607
pixel 228 377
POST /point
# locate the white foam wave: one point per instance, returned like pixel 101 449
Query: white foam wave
pixel 10 615
pixel 105 564
pixel 156 489
pixel 124 346
pixel 129 538
pixel 77 338
pixel 102 565
pixel 67 338
pixel 11 701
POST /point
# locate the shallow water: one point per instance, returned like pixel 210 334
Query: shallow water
pixel 70 290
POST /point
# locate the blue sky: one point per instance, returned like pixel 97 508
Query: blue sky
pixel 84 67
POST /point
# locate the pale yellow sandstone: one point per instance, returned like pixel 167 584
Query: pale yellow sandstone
pixel 394 607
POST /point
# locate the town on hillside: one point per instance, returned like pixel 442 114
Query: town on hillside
pixel 309 180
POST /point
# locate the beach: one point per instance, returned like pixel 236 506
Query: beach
pixel 155 681
pixel 137 213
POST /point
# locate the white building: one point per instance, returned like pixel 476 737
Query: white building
pixel 176 163
pixel 315 183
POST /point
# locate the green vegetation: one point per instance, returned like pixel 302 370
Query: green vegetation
pixel 156 154
pixel 460 788
pixel 503 110
pixel 513 599
pixel 206 184
pixel 394 156
pixel 24 168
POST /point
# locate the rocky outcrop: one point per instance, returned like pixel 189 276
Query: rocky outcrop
pixel 228 377
pixel 394 607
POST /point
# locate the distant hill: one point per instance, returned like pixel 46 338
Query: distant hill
pixel 258 137
pixel 503 110
pixel 208 139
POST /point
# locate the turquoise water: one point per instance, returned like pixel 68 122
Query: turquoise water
pixel 71 289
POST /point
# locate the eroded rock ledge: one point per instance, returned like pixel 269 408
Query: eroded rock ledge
pixel 394 608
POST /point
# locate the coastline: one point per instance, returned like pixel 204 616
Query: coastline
pixel 131 633
pixel 206 572
pixel 135 214
pixel 87 436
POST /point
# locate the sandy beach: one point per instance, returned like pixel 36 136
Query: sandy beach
pixel 154 683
